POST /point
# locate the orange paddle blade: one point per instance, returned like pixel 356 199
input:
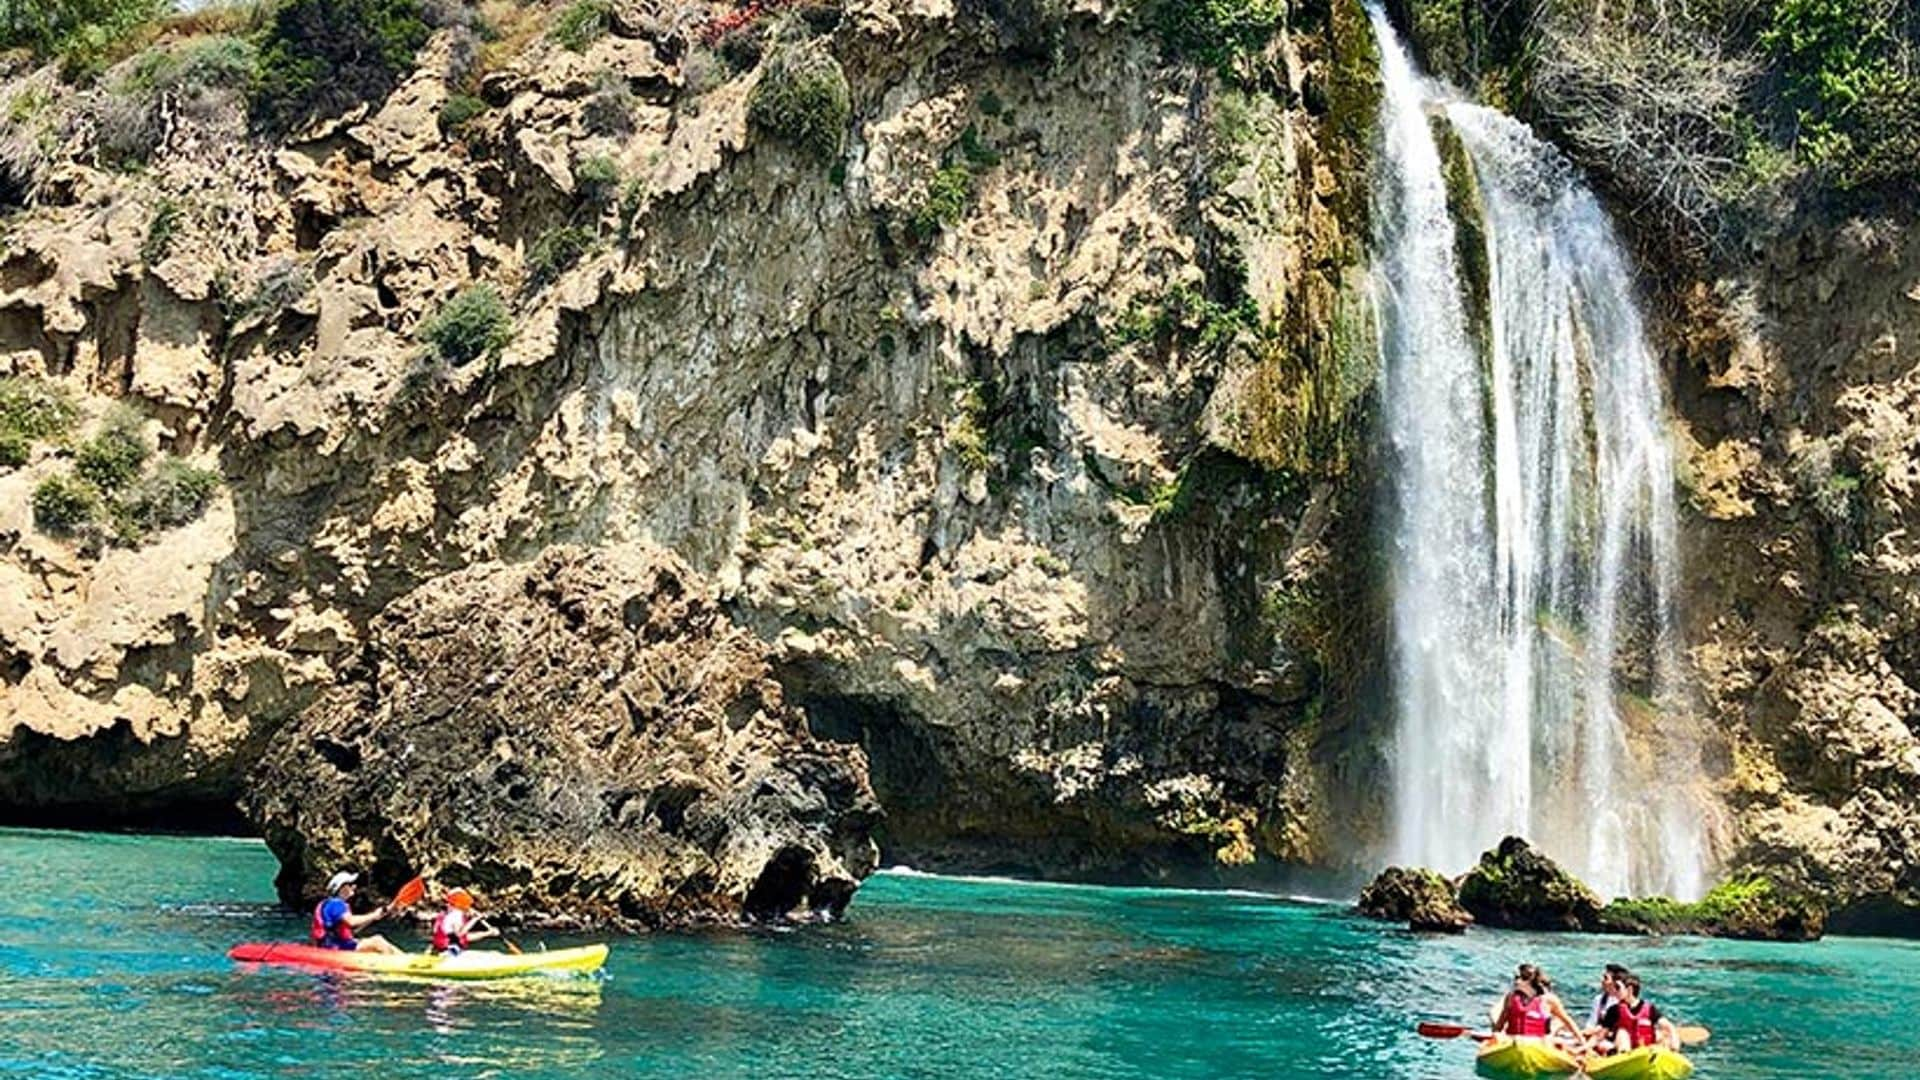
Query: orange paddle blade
pixel 1692 1034
pixel 409 894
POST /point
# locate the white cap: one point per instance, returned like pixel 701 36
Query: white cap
pixel 339 879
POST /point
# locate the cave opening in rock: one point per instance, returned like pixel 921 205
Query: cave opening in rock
pixel 782 885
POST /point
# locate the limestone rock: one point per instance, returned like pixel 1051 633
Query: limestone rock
pixel 1516 888
pixel 582 737
pixel 1421 898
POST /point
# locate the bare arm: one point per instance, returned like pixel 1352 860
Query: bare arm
pixel 368 919
pixel 1559 1012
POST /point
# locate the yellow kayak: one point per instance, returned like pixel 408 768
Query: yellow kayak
pixel 471 964
pixel 1646 1063
pixel 1504 1057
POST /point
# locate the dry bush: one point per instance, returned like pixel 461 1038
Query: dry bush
pixel 1656 106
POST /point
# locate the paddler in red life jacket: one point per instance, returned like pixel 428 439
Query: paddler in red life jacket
pixel 453 929
pixel 1531 1008
pixel 1632 1023
pixel 334 922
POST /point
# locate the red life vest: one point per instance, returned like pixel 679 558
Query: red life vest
pixel 451 928
pixel 1638 1024
pixel 326 937
pixel 1528 1016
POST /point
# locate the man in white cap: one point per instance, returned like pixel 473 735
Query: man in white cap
pixel 334 921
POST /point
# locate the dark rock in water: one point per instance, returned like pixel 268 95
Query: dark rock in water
pixel 582 738
pixel 1754 908
pixel 1419 897
pixel 1517 888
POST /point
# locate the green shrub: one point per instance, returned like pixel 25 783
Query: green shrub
pixel 596 178
pixel 1216 32
pixel 64 505
pixel 82 34
pixel 474 324
pixel 162 228
pixel 112 458
pixel 555 253
pixel 803 98
pixel 945 202
pixel 34 409
pixel 218 62
pixel 15 449
pixel 320 57
pixel 633 199
pixel 458 111
pixel 173 494
pixel 582 23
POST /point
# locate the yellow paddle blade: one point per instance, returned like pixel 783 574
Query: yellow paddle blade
pixel 1692 1034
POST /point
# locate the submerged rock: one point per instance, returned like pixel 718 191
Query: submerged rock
pixel 582 737
pixel 1517 888
pixel 1420 897
pixel 1754 908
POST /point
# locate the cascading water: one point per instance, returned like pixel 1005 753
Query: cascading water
pixel 1533 554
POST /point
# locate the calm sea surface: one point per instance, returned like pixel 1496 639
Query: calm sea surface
pixel 112 965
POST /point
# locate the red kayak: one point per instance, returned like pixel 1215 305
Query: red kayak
pixel 471 964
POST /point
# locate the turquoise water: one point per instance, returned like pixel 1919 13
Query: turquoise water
pixel 111 965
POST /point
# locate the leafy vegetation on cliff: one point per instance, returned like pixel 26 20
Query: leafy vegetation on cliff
pixel 803 98
pixel 473 324
pixel 78 33
pixel 1748 907
pixel 31 411
pixel 318 57
pixel 116 492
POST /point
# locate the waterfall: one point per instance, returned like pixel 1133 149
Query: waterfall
pixel 1533 557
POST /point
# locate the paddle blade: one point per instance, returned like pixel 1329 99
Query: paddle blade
pixel 1692 1034
pixel 511 947
pixel 1440 1031
pixel 409 894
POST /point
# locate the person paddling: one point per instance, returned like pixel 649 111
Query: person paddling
pixel 1531 1008
pixel 1633 1023
pixel 453 929
pixel 334 922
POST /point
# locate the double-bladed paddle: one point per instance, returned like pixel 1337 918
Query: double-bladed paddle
pixel 1689 1035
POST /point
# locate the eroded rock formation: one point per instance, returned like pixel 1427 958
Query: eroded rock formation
pixel 1418 897
pixel 581 736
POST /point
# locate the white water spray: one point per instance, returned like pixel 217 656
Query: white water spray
pixel 1533 558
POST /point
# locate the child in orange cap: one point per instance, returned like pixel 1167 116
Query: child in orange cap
pixel 453 929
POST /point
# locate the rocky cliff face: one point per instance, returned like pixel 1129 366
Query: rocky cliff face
pixel 582 736
pixel 1024 426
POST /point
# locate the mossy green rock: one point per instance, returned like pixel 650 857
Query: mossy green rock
pixel 1420 897
pixel 1754 908
pixel 1517 888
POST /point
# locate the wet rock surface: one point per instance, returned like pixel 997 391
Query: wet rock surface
pixel 582 738
pixel 1514 887
pixel 1421 898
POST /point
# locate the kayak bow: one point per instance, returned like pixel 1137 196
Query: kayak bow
pixel 471 964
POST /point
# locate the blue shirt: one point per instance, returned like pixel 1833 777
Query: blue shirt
pixel 333 916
